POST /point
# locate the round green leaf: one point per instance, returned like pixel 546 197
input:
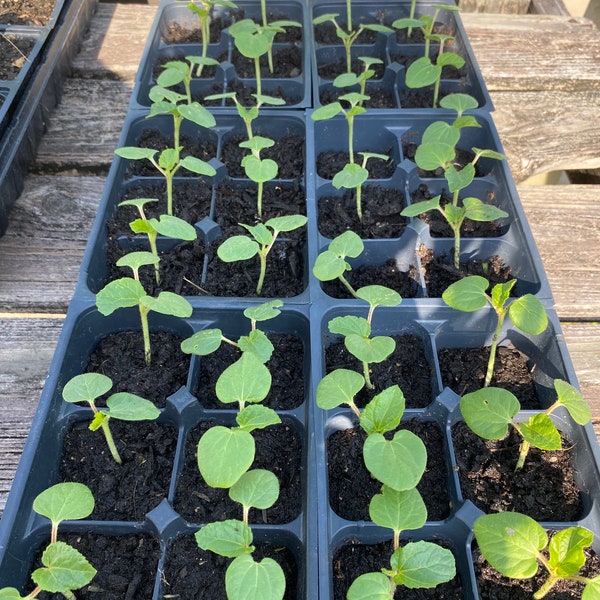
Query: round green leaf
pixel 528 314
pixel 224 455
pixel 258 488
pixel 246 380
pixel 260 170
pixel 591 591
pixel 64 569
pixel 10 594
pixel 398 511
pixel 510 542
pixel 384 411
pixel 440 132
pixel 249 580
pixel 129 407
pixel 86 387
pixel 489 411
pixel 351 176
pixel 422 565
pixel 168 303
pixel 422 73
pixel 378 295
pixel 328 266
pixel 264 312
pixel 468 294
pixel 370 586
pixel 398 463
pixel 370 350
pixel 238 247
pixel 347 244
pixel 573 401
pixel 202 342
pixel 229 538
pixel 286 223
pixel 174 227
pixel 350 325
pixel 430 157
pixel 135 260
pixel 120 293
pixel 65 502
pixel 338 387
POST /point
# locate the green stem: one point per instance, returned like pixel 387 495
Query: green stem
pixel 245 513
pixel 154 250
pixel 263 269
pixel 396 539
pixel 257 70
pixel 359 202
pixel 523 451
pixel 177 119
pixel 349 14
pixel 347 286
pixel 34 593
pixel 354 408
pixel 145 334
pixel 351 138
pixel 259 199
pixel 436 92
pixel 111 442
pixel 548 585
pixel 366 376
pixel 347 46
pixel 169 179
pixel 493 348
pixel 413 5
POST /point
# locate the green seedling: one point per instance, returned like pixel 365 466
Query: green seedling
pixel 353 175
pixel 208 341
pixel 332 264
pixel 526 313
pixel 253 41
pixel 224 459
pixel 516 546
pixel 64 568
pixel 204 9
pixel 489 412
pixel 437 150
pixel 350 79
pixel 423 72
pixel 349 37
pixel 88 387
pixel 166 225
pixel 128 292
pixel 265 24
pixel 357 330
pixel 263 236
pixel 168 163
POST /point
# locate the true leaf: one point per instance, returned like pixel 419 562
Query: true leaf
pixel 229 538
pixel 351 176
pixel 489 411
pixel 422 565
pixel 224 455
pixel 467 294
pixel 350 325
pixel 120 293
pixel 339 387
pixel 541 432
pixel 458 180
pixel 264 312
pixel 249 580
pixel 260 233
pixel 566 550
pixel 573 401
pixel 258 343
pixel 384 411
pixel 246 380
pixel 370 350
pixel 510 542
pixel 398 463
pixel 528 314
pixel 256 416
pixel 64 501
pixel 260 170
pixel 398 510
pixel 168 303
pixel 257 488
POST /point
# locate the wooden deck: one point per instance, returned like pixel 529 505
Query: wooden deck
pixel 543 73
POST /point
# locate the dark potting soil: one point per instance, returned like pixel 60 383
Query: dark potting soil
pixel 381 209
pixel 285 365
pixel 126 566
pixel 438 226
pixel 329 163
pixel 31 13
pixel 202 147
pixel 176 33
pixel 351 486
pixel 379 97
pixel 14 50
pixel 120 356
pixel 325 33
pixel 406 367
pixel 287 63
pixel 494 586
pixel 354 559
pixel 332 69
pixel 544 488
pixel 463 370
pixel 278 449
pixel 128 491
pixel 387 275
pixel 287 152
pixel 439 271
pixel 245 94
pixel 191 573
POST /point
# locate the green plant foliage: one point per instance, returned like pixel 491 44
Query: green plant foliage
pixel 250 580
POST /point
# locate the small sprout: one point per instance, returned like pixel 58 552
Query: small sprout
pixel 124 406
pixel 516 546
pixel 64 568
pixel 128 292
pixel 351 79
pixel 489 412
pixel 263 236
pixel 527 313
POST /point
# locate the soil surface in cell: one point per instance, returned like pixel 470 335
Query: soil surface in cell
pixel 407 367
pixel 285 365
pixel 176 32
pixel 126 566
pixel 120 356
pixel 464 369
pixel 278 449
pixel 331 69
pixel 495 586
pixel 14 50
pixel 354 559
pixel 287 63
pixel 380 208
pixel 544 488
pixel 380 96
pixel 31 13
pixel 329 163
pixel 351 486
pixel 325 33
pixel 128 491
pixel 194 574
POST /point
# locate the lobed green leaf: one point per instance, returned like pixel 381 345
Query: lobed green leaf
pixel 384 411
pixel 65 569
pixel 541 432
pixel 256 416
pixel 566 550
pixel 257 343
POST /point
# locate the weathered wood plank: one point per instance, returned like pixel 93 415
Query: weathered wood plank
pixel 115 41
pixel 566 225
pixel 535 52
pixel 506 7
pixel 548 131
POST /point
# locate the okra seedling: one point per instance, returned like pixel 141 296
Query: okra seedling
pixel 204 10
pixel 516 545
pixel 350 79
pixel 263 236
pixel 349 37
pixel 64 568
pixel 357 330
pixel 128 292
pixel 489 412
pixel 526 313
pixel 168 163
pixel 88 387
pixel 208 340
pixel 166 225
